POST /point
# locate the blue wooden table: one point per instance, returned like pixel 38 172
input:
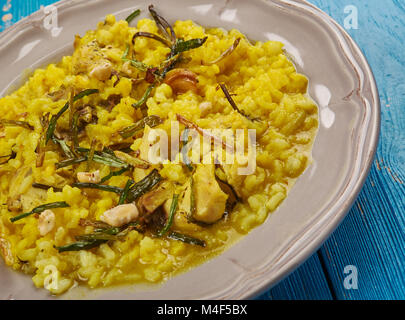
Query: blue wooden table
pixel 371 240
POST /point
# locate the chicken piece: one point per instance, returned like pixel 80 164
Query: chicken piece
pixel 88 58
pixel 210 200
pixel 102 70
pixel 155 198
pixel 233 178
pixel 120 215
pixel 92 177
pixel 46 222
pixel 181 221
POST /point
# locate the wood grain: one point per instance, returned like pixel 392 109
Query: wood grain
pixel 372 236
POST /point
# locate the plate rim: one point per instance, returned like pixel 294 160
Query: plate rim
pixel 270 278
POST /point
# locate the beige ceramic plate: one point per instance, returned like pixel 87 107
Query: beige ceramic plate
pixel 340 81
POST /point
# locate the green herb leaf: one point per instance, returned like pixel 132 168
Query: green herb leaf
pixel 135 63
pixel 173 208
pixel 192 201
pixel 151 121
pixel 143 186
pixel 54 118
pixel 103 187
pixel 84 93
pixel 144 97
pixel 81 245
pixel 113 174
pixel 133 15
pixel 124 193
pixel 39 209
pixel 104 157
pixel 182 45
pixel 65 148
pixel 70 162
pixel 186 239
pixel 53 121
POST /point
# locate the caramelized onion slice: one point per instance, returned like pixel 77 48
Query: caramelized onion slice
pixel 181 80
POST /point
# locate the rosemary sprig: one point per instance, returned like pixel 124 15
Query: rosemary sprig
pixel 173 208
pixel 185 45
pixel 150 121
pixel 186 239
pixel 124 193
pixel 233 104
pixel 132 16
pixel 100 236
pixel 81 245
pixel 70 162
pixel 39 209
pixel 145 97
pixel 65 148
pixel 103 187
pixel 113 174
pixel 55 118
pixel 143 186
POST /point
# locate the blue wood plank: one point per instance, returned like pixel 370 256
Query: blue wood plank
pixel 308 282
pixel 372 236
pixel 13 10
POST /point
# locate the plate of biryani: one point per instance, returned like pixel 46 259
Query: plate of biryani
pixel 176 150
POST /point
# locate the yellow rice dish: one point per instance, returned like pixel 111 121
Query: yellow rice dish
pixel 81 202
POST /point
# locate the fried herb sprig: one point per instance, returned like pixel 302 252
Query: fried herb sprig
pixel 39 209
pixel 113 174
pixel 132 16
pixel 173 208
pixel 169 39
pixel 186 239
pixel 100 236
pixel 233 104
pixel 124 193
pixel 102 187
pixel 54 119
pixel 150 121
pixel 143 186
pixel 226 53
